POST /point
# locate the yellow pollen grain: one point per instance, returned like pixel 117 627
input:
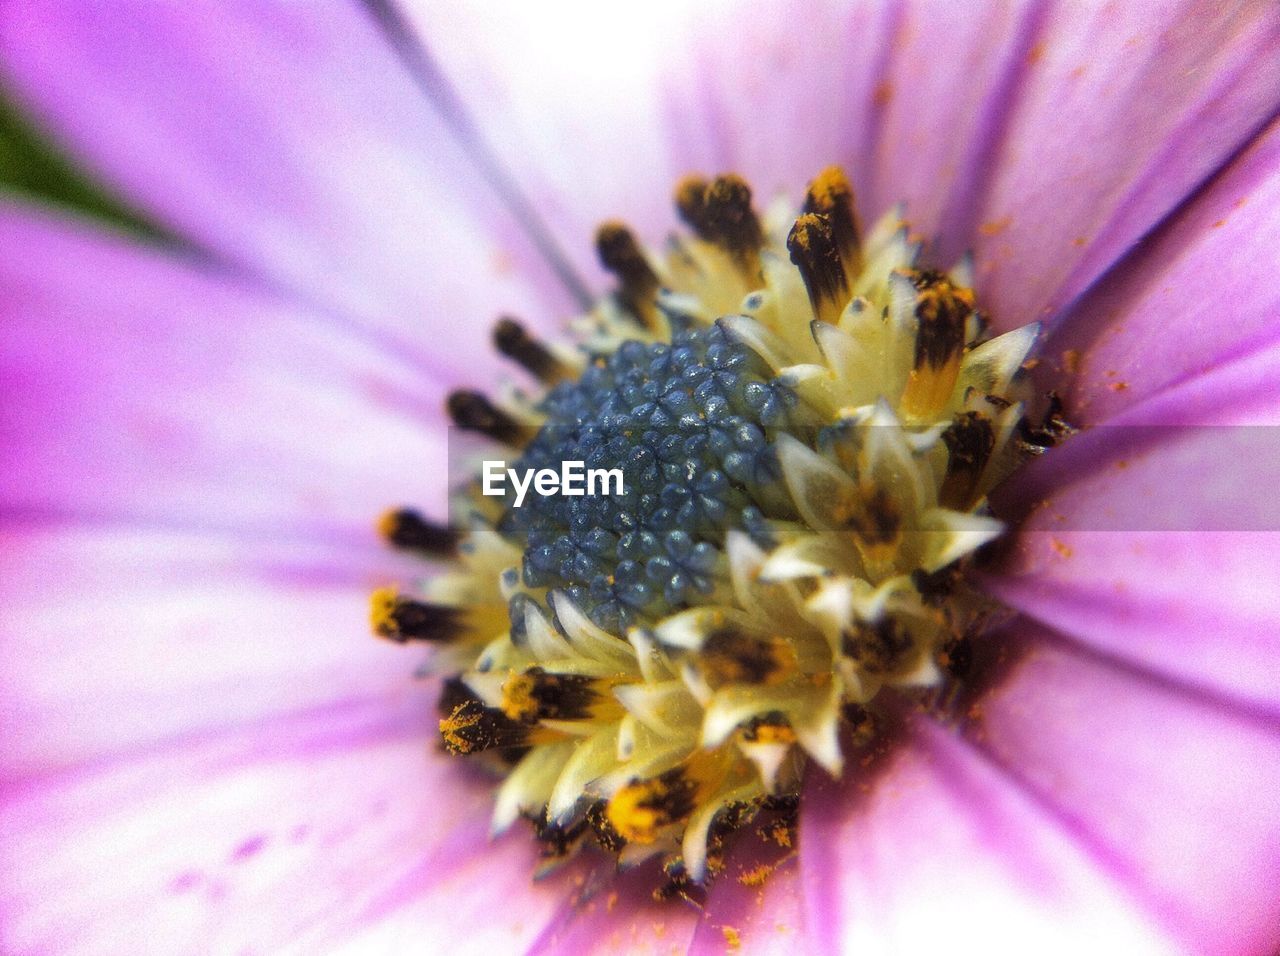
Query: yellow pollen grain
pixel 772 734
pixel 631 814
pixel 518 701
pixel 382 606
pixel 451 728
pixel 995 226
pixel 778 832
pixel 830 188
pixel 732 937
pixel 757 876
pixel 388 523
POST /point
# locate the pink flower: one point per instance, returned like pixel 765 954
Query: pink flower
pixel 202 751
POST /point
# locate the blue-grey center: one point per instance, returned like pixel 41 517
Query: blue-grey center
pixel 690 424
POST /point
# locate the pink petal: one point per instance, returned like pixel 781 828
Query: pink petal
pixel 1123 111
pixel 329 829
pixel 1182 793
pixel 1153 538
pixel 143 388
pixel 945 98
pixel 114 640
pixel 940 852
pixel 757 904
pixel 290 140
pixel 1185 302
pixel 612 914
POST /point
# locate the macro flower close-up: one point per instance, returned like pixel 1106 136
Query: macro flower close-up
pixel 919 593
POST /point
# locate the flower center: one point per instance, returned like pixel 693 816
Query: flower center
pixel 807 424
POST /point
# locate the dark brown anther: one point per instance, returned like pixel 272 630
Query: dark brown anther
pixel 831 195
pixel 473 412
pixel 597 818
pixel 403 619
pixel 404 528
pixel 770 728
pixel 556 840
pixel 642 808
pixel 880 648
pixel 720 212
pixel 816 254
pixel 937 587
pixel 470 727
pixel 941 311
pixel 621 254
pixel 970 440
pixel 728 656
pixel 1053 428
pixel 691 204
pixel 730 216
pixel 678 884
pixel 511 339
pixel 879 524
pixel 538 694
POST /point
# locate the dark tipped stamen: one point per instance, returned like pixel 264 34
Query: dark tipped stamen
pixel 598 819
pixel 970 440
pixel 815 252
pixel 729 656
pixel 471 727
pixel 880 648
pixel 511 339
pixel 730 216
pixel 720 212
pixel 642 808
pixel 402 619
pixel 473 412
pixel 691 204
pixel 941 311
pixel 621 254
pixel 880 522
pixel 770 728
pixel 408 530
pixel 831 195
pixel 1053 428
pixel 557 840
pixel 537 694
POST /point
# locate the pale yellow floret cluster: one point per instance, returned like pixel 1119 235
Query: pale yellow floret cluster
pixel 657 740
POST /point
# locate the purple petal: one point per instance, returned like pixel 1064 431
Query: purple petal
pixel 1160 545
pixel 1185 302
pixel 330 829
pixel 945 100
pixel 757 904
pixel 617 913
pixel 290 140
pixel 114 639
pixel 143 389
pixel 939 852
pixel 1178 795
pixel 1122 112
